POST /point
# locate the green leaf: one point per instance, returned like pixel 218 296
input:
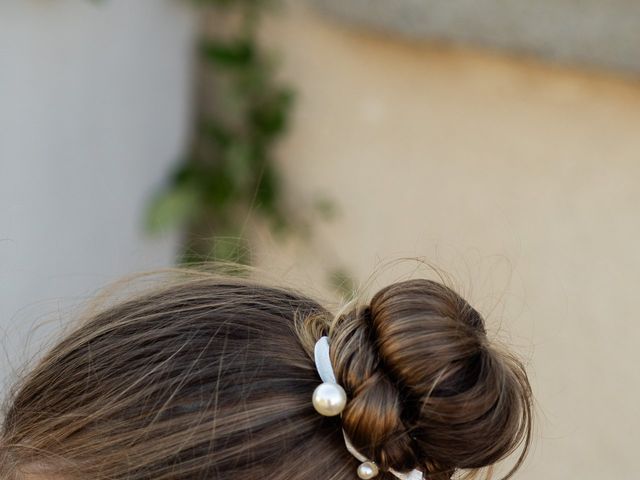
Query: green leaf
pixel 215 131
pixel 219 188
pixel 238 163
pixel 233 53
pixel 171 209
pixel 231 249
pixel 267 189
pixel 270 115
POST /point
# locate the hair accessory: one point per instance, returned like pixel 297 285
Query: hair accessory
pixel 330 399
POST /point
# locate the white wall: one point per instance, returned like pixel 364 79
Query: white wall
pixel 94 109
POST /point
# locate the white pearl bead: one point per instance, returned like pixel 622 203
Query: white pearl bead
pixel 367 470
pixel 329 399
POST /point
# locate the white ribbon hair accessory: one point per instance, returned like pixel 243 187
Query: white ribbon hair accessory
pixel 330 399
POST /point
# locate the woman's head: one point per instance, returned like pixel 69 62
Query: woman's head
pixel 211 378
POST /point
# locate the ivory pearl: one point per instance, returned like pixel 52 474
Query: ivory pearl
pixel 329 399
pixel 367 470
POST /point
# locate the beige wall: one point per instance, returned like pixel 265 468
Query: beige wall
pixel 518 178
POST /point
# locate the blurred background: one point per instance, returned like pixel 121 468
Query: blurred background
pixel 319 140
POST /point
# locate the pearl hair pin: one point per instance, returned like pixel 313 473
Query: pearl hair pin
pixel 330 399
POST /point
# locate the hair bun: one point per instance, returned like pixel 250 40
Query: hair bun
pixel 426 388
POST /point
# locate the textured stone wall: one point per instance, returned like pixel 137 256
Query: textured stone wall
pixel 589 32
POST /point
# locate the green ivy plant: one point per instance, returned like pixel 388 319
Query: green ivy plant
pixel 229 171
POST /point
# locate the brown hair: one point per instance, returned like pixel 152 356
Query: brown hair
pixel 211 378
